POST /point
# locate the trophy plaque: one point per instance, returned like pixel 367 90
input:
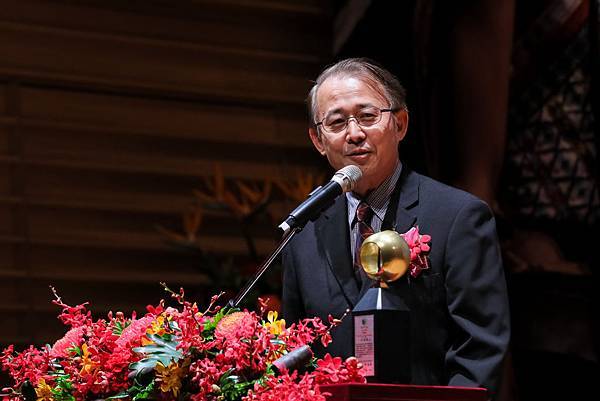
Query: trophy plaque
pixel 381 317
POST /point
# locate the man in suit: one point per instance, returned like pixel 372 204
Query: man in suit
pixel 459 321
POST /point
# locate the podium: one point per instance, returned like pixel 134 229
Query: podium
pixel 401 392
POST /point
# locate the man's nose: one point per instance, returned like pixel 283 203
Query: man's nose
pixel 354 132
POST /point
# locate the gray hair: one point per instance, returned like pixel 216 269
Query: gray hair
pixel 367 70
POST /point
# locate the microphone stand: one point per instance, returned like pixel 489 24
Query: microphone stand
pixel 233 303
pixel 320 198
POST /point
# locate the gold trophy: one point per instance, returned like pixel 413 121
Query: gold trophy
pixel 381 317
pixel 385 257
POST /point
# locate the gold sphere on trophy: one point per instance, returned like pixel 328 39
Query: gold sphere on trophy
pixel 385 256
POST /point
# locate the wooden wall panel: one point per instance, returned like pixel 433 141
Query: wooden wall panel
pixel 98 187
pixel 13 332
pixel 229 27
pixel 4 140
pixel 5 178
pixel 7 258
pixel 6 220
pixel 102 158
pixel 164 118
pixel 112 113
pixel 12 295
pixel 3 96
pixel 106 266
pixel 36 52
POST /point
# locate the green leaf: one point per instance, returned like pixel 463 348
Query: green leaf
pixel 120 326
pixel 234 387
pixel 210 324
pixel 75 350
pixel 141 392
pixel 118 396
pixel 62 390
pixel 163 350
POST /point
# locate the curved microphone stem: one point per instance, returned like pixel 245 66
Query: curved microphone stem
pixel 263 268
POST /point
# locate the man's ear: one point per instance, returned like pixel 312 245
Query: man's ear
pixel 401 117
pixel 316 140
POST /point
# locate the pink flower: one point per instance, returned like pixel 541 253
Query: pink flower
pixel 236 325
pixel 289 387
pixel 30 364
pixel 355 371
pixel 328 369
pixel 419 248
pixel 72 339
pixel 332 370
pixel 132 335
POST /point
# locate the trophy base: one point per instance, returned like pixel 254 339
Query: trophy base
pixel 381 336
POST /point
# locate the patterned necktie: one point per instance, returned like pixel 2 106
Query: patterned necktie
pixel 364 214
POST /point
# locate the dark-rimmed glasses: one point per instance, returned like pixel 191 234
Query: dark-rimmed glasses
pixel 335 123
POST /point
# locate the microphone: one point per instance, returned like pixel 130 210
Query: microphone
pixel 320 198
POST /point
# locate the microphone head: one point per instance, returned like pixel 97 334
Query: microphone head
pixel 347 177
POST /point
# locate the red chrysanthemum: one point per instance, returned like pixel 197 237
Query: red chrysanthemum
pixel 236 325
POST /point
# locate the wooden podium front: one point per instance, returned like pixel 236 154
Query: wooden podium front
pixel 401 392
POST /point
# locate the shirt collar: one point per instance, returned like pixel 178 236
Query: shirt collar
pixel 378 199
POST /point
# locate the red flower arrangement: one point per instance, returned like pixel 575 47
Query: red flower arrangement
pixel 175 354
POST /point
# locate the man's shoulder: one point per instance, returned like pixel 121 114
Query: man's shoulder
pixel 443 195
pixel 306 238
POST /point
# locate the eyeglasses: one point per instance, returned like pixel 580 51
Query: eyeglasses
pixel 335 123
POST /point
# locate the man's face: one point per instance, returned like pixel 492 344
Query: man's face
pixel 374 149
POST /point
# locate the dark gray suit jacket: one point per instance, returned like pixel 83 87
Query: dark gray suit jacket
pixel 458 308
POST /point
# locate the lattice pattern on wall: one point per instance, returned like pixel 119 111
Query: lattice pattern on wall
pixel 551 153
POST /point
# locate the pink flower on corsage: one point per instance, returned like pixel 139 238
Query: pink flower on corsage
pixel 419 248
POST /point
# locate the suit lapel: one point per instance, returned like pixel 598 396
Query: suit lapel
pixel 405 212
pixel 334 232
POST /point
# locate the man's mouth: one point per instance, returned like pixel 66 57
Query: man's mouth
pixel 358 152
